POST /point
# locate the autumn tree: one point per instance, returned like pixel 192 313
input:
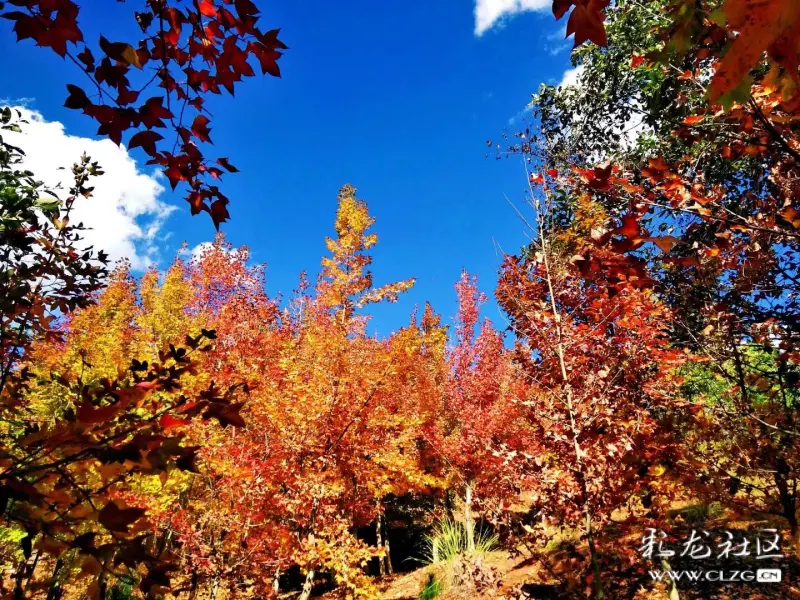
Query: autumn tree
pixel 698 181
pixel 74 435
pixel 333 425
pixel 480 431
pixel 141 320
pixel 349 433
pixel 595 348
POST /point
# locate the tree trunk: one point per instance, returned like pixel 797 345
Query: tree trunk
pixel 309 583
pixel 102 585
pixel 276 582
pixel 379 543
pixel 796 539
pixel 102 581
pixel 214 587
pixel 794 531
pixel 388 555
pixel 567 390
pixel 55 592
pixel 788 501
pixel 596 583
pixel 469 524
pixel 165 544
pixel 19 577
pixel 193 590
pixel 32 570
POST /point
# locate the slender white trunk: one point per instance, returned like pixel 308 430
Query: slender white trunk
pixel 276 582
pixel 309 583
pixel 388 556
pixel 589 531
pixel 469 523
pixel 379 543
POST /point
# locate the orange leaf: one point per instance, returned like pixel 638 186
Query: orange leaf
pixel 760 24
pixel 114 518
pixel 629 227
pixel 586 22
pixel 665 243
pixel 170 422
pixel 791 215
pixel 88 413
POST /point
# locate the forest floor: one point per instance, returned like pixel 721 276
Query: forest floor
pixel 555 572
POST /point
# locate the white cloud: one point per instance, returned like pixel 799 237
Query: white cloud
pixel 571 76
pixel 559 35
pixel 125 215
pixel 489 13
pixel 630 131
pixel 198 250
pixel 23 101
pixel 555 42
pixel 634 127
pixel 520 115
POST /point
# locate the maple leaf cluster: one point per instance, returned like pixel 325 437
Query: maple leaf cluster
pixel 188 49
pixel 743 29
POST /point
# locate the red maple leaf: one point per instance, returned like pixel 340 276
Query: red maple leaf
pixel 586 22
pixel 200 128
pixel 146 140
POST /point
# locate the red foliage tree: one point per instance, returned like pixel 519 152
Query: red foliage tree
pixel 479 431
pixel 596 351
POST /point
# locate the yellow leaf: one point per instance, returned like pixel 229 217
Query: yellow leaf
pixel 131 57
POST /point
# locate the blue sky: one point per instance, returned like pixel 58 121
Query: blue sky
pixel 396 98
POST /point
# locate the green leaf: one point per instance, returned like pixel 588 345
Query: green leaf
pixel 740 94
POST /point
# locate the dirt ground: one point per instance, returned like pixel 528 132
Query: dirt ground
pixel 556 573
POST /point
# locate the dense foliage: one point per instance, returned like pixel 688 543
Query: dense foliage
pixel 184 434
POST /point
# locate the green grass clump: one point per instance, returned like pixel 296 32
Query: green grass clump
pixel 432 588
pixel 449 540
pixel 697 514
